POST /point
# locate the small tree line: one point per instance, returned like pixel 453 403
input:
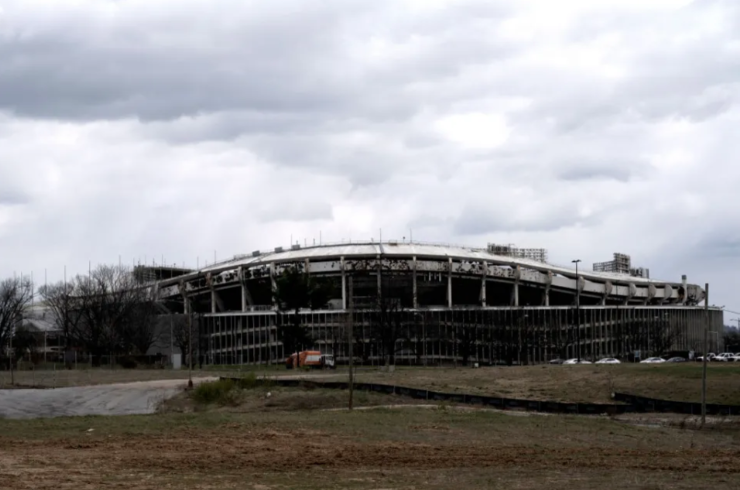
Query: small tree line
pixel 105 312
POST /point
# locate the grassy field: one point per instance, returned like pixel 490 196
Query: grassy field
pixel 59 378
pixel 579 383
pixel 276 442
pixel 584 383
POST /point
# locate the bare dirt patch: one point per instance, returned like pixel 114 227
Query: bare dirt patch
pixel 365 449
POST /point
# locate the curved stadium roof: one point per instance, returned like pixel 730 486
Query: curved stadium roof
pixel 408 249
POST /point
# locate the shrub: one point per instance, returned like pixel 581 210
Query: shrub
pixel 248 382
pixel 222 392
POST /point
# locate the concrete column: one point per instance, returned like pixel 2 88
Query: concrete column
pixel 273 285
pixel 667 294
pixel 631 291
pixel 243 285
pixel 183 292
pixel 607 291
pixel 415 286
pixel 515 287
pixel 344 284
pixel 449 282
pixel 484 277
pixel 213 300
pixel 651 293
pixel 546 293
pixel 380 283
pixel 684 283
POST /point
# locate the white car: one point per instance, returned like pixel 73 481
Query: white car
pixel 652 360
pixel 726 357
pixel 608 360
pixel 576 361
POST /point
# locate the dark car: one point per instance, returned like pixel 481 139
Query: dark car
pixel 676 359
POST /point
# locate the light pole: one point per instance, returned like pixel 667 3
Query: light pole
pixel 578 312
pixel 704 360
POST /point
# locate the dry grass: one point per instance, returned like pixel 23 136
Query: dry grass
pixel 409 448
pixel 584 383
pixel 288 440
pixel 85 377
pixel 261 399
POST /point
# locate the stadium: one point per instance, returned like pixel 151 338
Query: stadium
pixel 430 304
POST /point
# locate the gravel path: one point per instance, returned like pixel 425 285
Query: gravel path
pixel 114 399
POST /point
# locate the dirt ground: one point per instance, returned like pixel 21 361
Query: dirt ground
pixel 293 446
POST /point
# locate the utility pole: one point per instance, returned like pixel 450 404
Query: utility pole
pixel 351 328
pixel 578 312
pixel 172 345
pixel 190 348
pixel 704 358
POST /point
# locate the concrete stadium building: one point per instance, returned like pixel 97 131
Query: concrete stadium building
pixel 449 304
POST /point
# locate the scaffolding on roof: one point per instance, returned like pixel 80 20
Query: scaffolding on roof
pixel 537 254
pixel 622 264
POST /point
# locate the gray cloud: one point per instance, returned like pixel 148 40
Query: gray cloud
pixel 10 196
pixel 140 129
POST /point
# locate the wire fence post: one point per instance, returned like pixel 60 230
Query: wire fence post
pixel 704 361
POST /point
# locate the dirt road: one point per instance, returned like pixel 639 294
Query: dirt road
pixel 113 399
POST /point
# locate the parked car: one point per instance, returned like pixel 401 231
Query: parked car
pixel 710 357
pixel 608 360
pixel 676 359
pixel 576 361
pixel 652 360
pixel 556 361
pixel 725 357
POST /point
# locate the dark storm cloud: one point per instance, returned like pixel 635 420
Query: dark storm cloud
pixel 156 67
pixel 304 57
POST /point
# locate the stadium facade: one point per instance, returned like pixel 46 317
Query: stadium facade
pixel 428 304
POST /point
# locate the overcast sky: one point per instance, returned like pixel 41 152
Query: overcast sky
pixel 175 129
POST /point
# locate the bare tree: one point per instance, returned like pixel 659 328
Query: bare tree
pixel 139 327
pixel 662 335
pixel 15 295
pixel 387 327
pixel 64 300
pixel 560 337
pixel 105 312
pixel 732 340
pixel 297 290
pixel 24 342
pixel 465 335
pixel 182 337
